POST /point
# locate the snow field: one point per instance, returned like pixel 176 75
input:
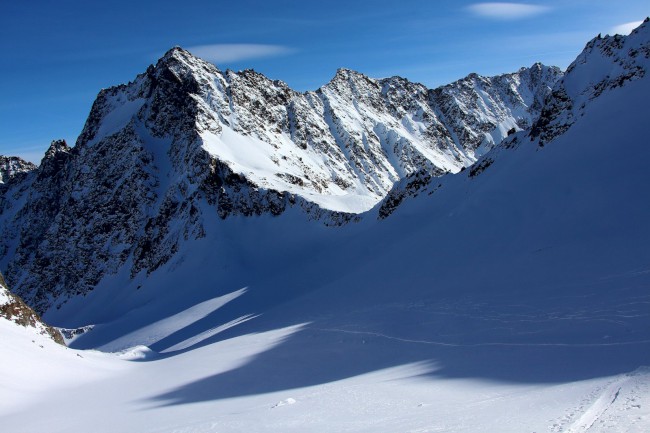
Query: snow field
pixel 515 301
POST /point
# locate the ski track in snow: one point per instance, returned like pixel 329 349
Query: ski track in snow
pixel 620 405
pixel 599 407
pixel 447 344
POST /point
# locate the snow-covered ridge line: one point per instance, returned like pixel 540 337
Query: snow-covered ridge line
pixel 341 146
pixel 606 64
pixel 160 157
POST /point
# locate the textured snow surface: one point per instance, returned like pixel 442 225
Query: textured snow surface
pixel 35 368
pixel 262 164
pixel 513 299
pixel 4 297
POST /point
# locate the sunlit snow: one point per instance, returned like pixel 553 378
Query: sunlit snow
pixel 512 301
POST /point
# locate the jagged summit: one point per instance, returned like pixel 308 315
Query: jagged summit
pixel 373 132
pixel 536 66
pixel 185 142
pixel 178 54
pixel 624 59
pixel 344 74
pixel 12 166
pixel 57 146
pixel 606 64
pixel 176 51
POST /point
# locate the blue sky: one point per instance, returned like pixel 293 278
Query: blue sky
pixel 56 56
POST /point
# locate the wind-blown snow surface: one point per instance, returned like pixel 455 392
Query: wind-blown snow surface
pixel 513 300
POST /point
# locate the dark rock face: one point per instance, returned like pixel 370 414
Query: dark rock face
pixel 13 166
pixel 627 56
pixel 526 88
pixel 12 308
pixel 143 178
pixel 556 117
pixel 408 187
pixel 606 64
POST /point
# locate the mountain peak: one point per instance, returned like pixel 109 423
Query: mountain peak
pixel 184 137
pixel 55 158
pixel 179 58
pixel 644 27
pixel 177 52
pixel 11 166
pixel 537 66
pixel 57 146
pixel 345 74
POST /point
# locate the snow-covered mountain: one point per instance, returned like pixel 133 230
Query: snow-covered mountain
pixel 509 297
pixel 606 63
pixel 131 191
pixel 12 166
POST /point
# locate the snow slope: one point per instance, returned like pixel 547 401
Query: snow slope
pixel 36 370
pixel 14 310
pixel 132 190
pixel 507 299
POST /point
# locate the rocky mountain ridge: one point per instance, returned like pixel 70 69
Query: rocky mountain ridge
pixel 185 141
pixel 606 63
pixel 12 166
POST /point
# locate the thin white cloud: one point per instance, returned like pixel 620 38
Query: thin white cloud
pixel 507 11
pixel 226 53
pixel 625 29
